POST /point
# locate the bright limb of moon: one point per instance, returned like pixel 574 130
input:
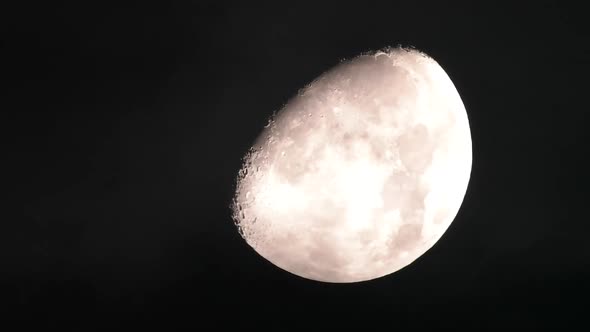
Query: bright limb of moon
pixel 359 174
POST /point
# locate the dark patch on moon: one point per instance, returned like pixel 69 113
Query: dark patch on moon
pixel 407 236
pixel 416 148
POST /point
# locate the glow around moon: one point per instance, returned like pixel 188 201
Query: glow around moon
pixel 360 173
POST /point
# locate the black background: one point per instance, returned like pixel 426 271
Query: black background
pixel 124 129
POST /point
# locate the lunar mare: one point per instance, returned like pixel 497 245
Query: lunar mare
pixel 360 173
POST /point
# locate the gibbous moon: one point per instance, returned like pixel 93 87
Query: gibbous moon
pixel 360 173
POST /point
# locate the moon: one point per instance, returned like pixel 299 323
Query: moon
pixel 360 173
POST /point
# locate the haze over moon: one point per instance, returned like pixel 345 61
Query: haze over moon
pixel 361 173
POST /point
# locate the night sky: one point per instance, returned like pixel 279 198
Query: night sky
pixel 124 129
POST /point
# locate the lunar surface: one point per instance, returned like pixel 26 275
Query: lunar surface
pixel 360 173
